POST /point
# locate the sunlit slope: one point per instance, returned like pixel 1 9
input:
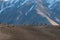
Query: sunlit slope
pixel 45 13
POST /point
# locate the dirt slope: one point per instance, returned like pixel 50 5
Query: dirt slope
pixel 29 33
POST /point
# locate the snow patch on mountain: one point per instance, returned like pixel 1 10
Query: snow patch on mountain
pixel 49 19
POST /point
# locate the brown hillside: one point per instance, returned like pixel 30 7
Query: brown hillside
pixel 16 32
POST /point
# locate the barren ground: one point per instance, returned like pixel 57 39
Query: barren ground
pixel 16 32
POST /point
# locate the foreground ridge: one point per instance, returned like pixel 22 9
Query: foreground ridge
pixel 25 32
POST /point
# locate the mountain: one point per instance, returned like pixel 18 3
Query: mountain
pixel 54 7
pixel 25 12
pixel 45 3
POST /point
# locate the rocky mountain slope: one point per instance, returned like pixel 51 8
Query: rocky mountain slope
pixel 25 12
